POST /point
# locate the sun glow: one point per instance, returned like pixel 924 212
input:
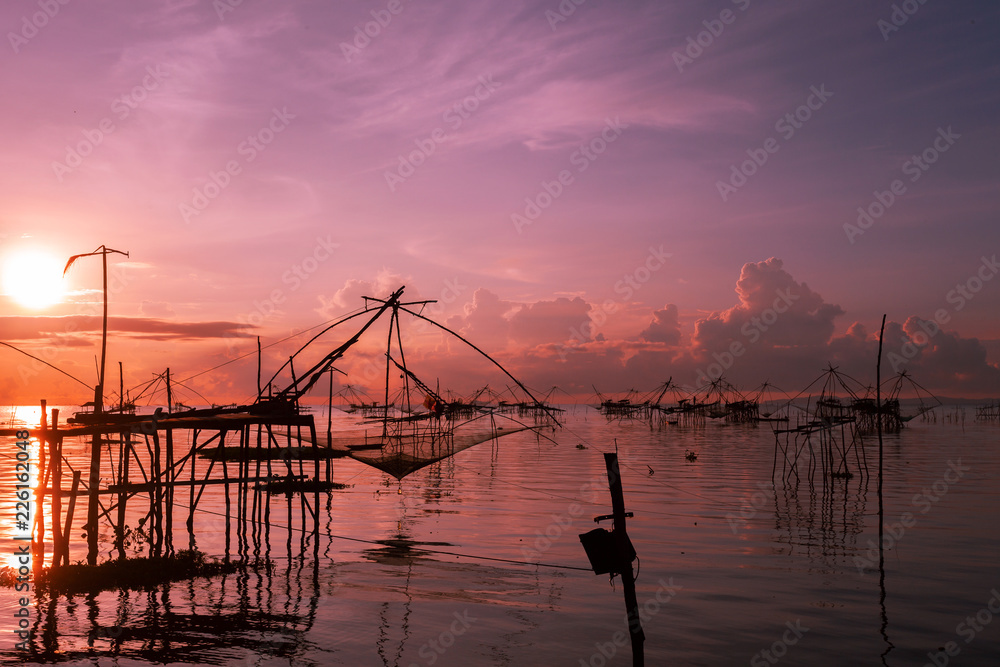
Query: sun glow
pixel 33 279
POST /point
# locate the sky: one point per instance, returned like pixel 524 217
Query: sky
pixel 599 194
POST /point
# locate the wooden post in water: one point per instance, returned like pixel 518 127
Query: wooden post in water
pixel 156 509
pixel 625 564
pixel 881 507
pixel 38 533
pixel 329 430
pixel 68 529
pixel 122 468
pixel 225 476
pixel 125 452
pixel 190 519
pixel 93 482
pixel 55 465
pixel 168 476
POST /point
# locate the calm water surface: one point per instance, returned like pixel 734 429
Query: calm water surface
pixel 729 564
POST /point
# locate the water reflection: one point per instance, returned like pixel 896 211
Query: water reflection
pixel 822 523
pixel 265 610
pixel 195 622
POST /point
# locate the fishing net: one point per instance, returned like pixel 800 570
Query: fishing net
pixel 417 445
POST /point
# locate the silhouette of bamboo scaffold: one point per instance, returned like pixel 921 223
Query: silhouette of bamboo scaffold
pixel 157 454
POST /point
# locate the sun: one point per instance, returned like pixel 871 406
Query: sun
pixel 33 279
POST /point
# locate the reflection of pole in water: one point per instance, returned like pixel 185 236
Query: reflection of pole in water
pixel 881 509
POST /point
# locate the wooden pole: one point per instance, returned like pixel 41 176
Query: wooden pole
pixel 169 491
pixel 225 476
pixel 156 510
pixel 55 465
pixel 94 480
pixel 881 508
pixel 878 416
pixel 38 534
pixel 625 563
pixel 190 519
pixel 329 429
pixel 124 453
pixel 67 530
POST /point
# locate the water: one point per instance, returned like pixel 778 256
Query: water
pixel 729 566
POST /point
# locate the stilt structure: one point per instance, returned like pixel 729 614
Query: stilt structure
pixel 251 450
pixel 825 433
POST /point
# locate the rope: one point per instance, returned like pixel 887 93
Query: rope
pixel 420 549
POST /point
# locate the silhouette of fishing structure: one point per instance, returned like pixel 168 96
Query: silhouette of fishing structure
pixel 831 428
pixel 825 429
pixel 536 410
pixel 724 401
pixel 685 407
pixel 359 403
pixel 632 406
pixel 718 399
pixel 893 415
pixel 988 412
pixel 250 450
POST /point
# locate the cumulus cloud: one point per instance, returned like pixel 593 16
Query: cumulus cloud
pixel 939 358
pixel 783 332
pixel 350 296
pixel 664 327
pixel 485 321
pixel 551 321
pixel 773 307
pixel 498 323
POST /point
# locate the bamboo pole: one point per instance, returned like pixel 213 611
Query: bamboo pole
pixel 69 514
pixel 55 465
pixel 125 453
pixel 93 482
pixel 156 507
pixel 169 495
pixel 38 533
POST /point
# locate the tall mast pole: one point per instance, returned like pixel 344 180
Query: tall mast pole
pixel 103 251
pixel 99 398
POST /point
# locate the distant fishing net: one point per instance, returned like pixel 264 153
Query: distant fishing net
pixel 419 445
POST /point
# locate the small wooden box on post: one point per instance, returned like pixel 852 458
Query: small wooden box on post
pixel 612 552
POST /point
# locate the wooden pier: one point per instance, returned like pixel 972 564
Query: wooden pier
pixel 151 460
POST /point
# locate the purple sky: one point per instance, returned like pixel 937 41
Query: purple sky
pixel 623 132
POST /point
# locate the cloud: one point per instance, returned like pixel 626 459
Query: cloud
pixel 486 322
pixel 158 309
pixel 773 307
pixel 352 294
pixel 779 330
pixel 65 328
pixel 938 358
pixel 549 321
pixel 664 327
pixel 494 323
